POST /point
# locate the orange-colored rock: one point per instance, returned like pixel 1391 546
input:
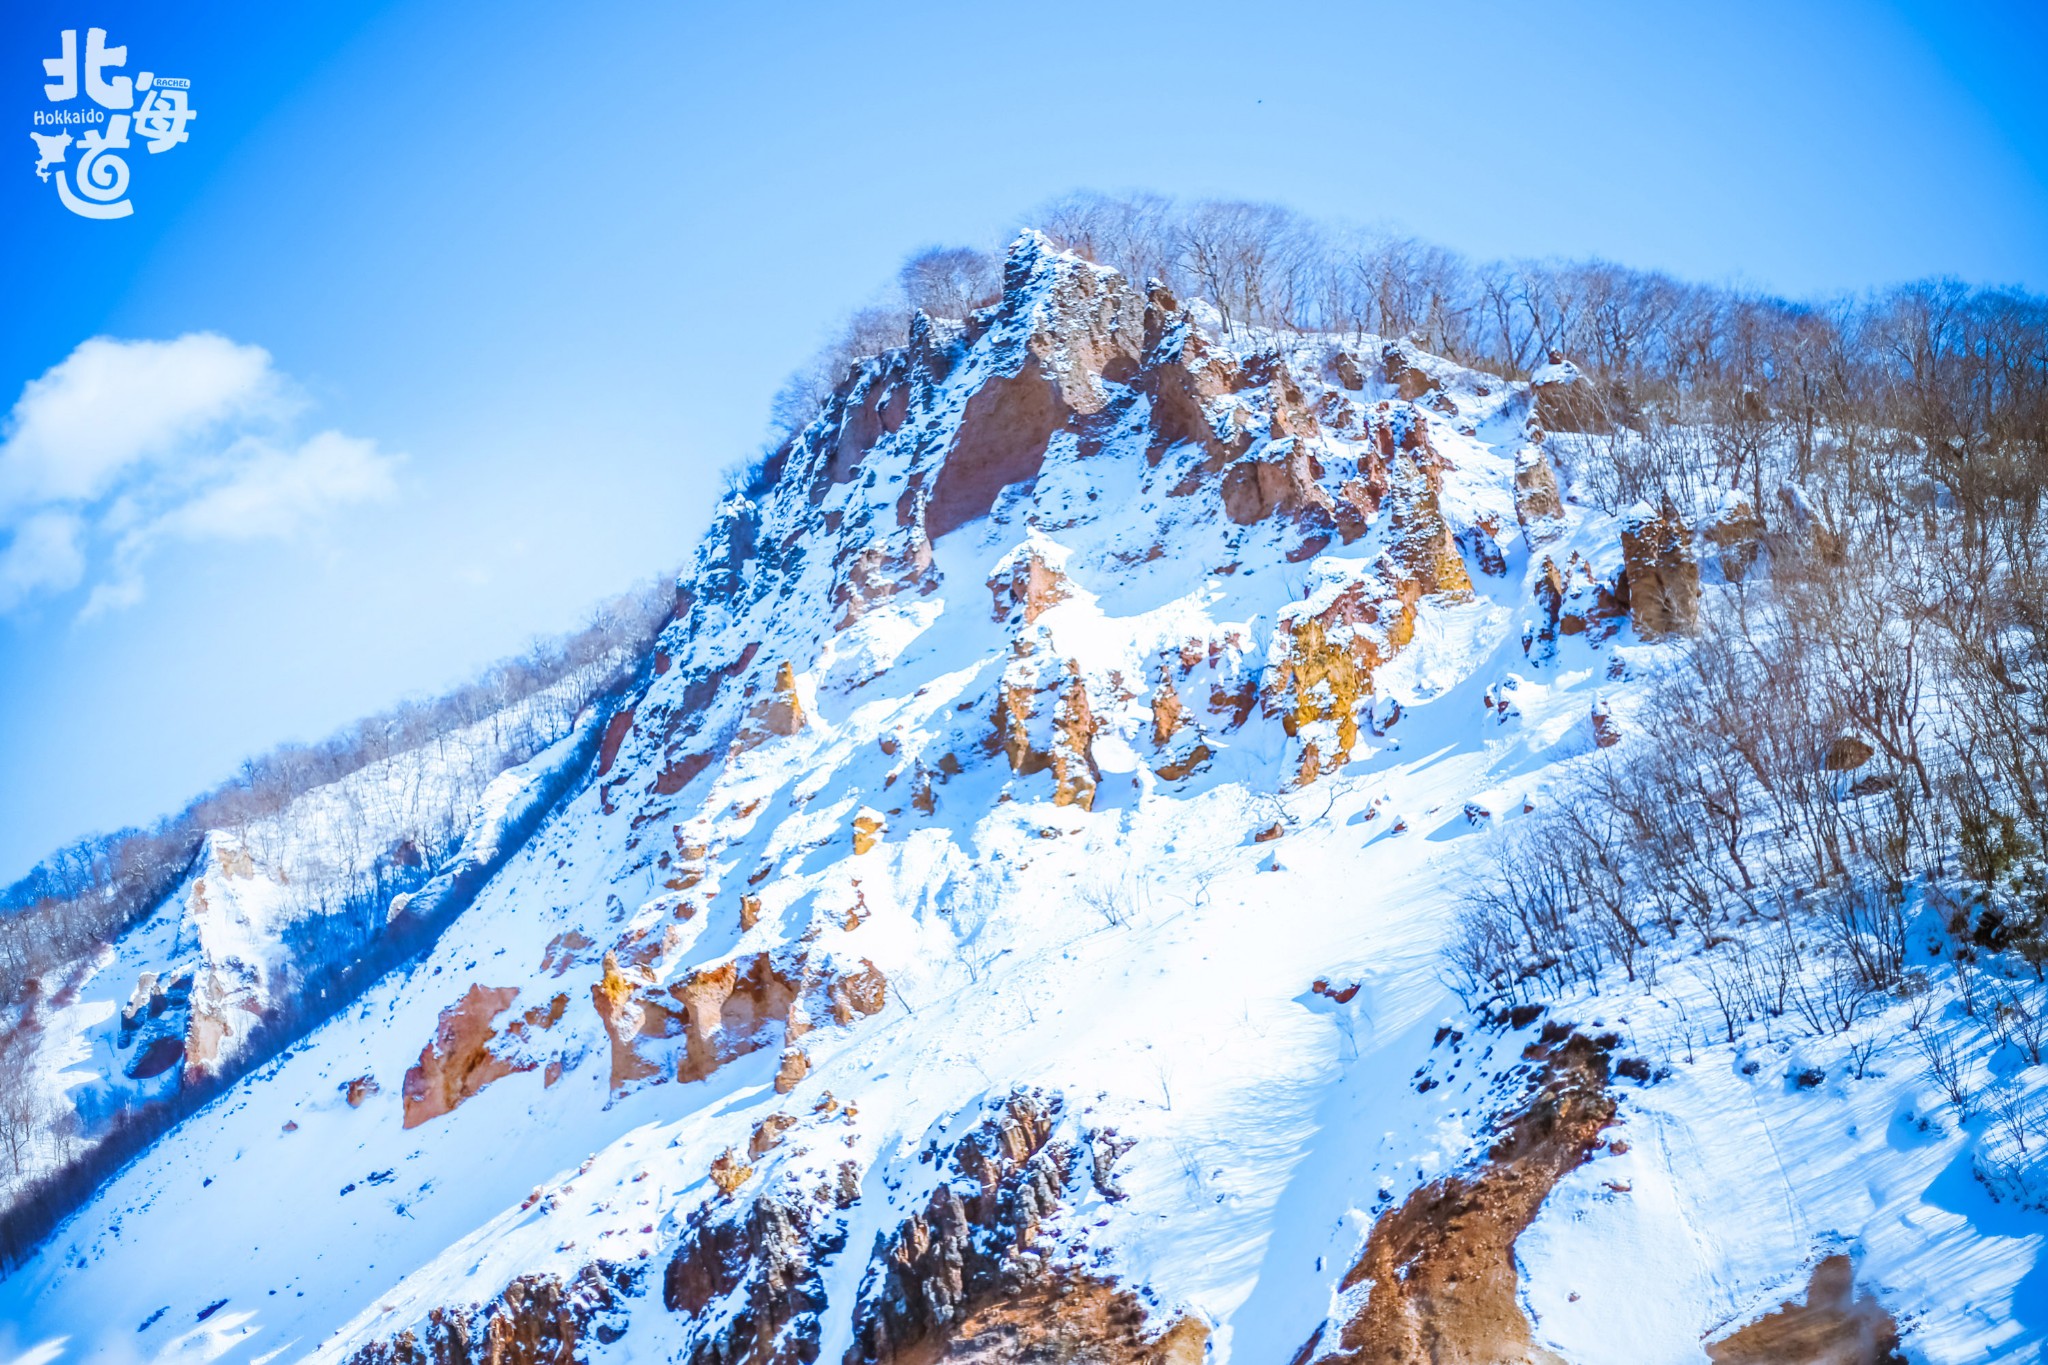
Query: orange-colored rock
pixel 1075 776
pixel 1029 583
pixel 796 1064
pixel 1832 1325
pixel 1326 669
pixel 781 712
pixel 1438 1279
pixel 1168 714
pixel 729 1172
pixel 562 951
pixel 868 826
pixel 1660 575
pixel 860 993
pixel 459 1062
pixel 768 1133
pixel 1401 363
pixel 750 912
pixel 1424 546
pixel 1538 506
pixel 357 1090
pixel 1014 709
pixel 628 1016
pixel 726 1009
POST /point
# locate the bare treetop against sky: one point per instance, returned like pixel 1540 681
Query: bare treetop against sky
pixel 442 323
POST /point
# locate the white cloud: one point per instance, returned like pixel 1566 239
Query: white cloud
pixel 43 556
pixel 126 445
pixel 275 492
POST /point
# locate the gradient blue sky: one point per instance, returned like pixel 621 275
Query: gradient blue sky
pixel 558 257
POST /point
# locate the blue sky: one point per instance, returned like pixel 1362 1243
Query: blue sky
pixel 499 290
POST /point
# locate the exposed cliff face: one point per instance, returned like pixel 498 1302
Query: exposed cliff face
pixel 1661 572
pixel 922 969
pixel 1438 1273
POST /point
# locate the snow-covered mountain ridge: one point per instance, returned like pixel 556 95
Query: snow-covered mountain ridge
pixel 1008 924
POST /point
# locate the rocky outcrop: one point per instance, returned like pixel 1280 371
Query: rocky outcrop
pixel 868 826
pixel 1281 480
pixel 770 1253
pixel 1438 1271
pixel 1572 601
pixel 1736 531
pixel 1176 736
pixel 688 1028
pixel 462 1059
pixel 877 573
pixel 1401 365
pixel 1326 650
pixel 1564 399
pixel 1832 1325
pixel 1537 505
pixel 1806 530
pixel 1063 327
pixel 1660 574
pixel 1002 440
pixel 1183 376
pixel 1052 728
pixel 537 1320
pixel 975 1276
pixel 1026 585
pixel 629 1011
pixel 781 712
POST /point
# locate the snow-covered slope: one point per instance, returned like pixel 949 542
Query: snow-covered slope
pixel 272 904
pixel 1009 924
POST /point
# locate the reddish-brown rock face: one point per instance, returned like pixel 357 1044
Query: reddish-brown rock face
pixel 718 1013
pixel 1002 441
pixel 1067 750
pixel 1537 505
pixel 1280 481
pixel 1402 365
pixel 1069 326
pixel 1565 400
pixel 1573 602
pixel 1660 575
pixel 1028 586
pixel 1438 1280
pixel 537 1320
pixel 781 712
pixel 615 731
pixel 459 1062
